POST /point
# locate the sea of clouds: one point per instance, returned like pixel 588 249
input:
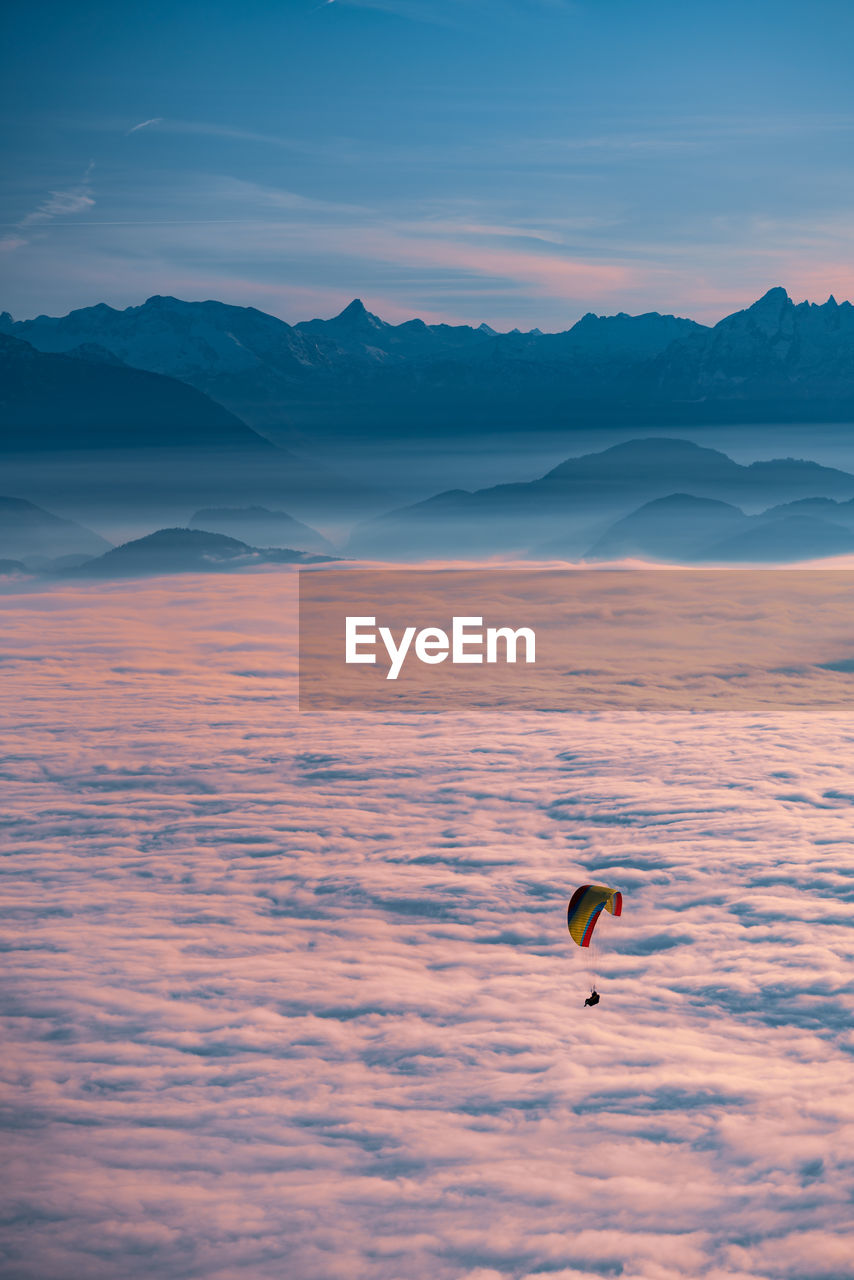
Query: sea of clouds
pixel 292 995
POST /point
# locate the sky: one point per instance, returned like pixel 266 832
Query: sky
pixel 295 997
pixel 517 162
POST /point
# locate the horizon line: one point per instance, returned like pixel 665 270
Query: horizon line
pixel 431 324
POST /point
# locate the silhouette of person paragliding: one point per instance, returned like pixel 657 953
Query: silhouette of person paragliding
pixel 584 909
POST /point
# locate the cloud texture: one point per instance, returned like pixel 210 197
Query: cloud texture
pixel 294 997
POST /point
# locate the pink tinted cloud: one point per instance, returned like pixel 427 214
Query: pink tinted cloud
pixel 294 995
pixel 548 274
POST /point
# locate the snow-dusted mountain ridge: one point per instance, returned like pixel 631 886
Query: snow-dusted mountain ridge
pixel 774 361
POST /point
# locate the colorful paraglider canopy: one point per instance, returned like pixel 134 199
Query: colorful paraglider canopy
pixel 585 908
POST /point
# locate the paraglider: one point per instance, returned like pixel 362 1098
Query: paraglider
pixel 582 914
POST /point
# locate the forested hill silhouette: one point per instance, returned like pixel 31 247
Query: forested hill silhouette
pixel 774 361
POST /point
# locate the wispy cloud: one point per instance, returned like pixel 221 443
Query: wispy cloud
pixel 57 204
pixel 211 129
pixel 60 204
pixel 453 259
pixel 549 274
pixel 144 124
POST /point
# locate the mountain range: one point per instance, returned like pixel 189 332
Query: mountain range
pixel 695 497
pixel 659 500
pixel 774 361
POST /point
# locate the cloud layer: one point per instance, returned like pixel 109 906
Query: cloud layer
pixel 294 996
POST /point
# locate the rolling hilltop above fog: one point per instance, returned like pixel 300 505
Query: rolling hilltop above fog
pixel 186 551
pixel 261 528
pixel 686 530
pixel 774 361
pixel 36 541
pixel 657 498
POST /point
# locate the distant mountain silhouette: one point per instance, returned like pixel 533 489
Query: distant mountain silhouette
pixel 681 529
pixel 568 510
pixel 52 401
pixel 783 541
pixel 840 513
pixel 772 350
pixel 186 551
pixel 773 361
pixel 677 527
pixel 30 534
pixel 621 336
pixel 260 528
pixel 356 335
pixel 354 366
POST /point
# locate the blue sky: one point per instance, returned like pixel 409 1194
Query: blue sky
pixel 514 161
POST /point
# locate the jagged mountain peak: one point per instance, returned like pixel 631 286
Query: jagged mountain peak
pixel 775 296
pixel 356 315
